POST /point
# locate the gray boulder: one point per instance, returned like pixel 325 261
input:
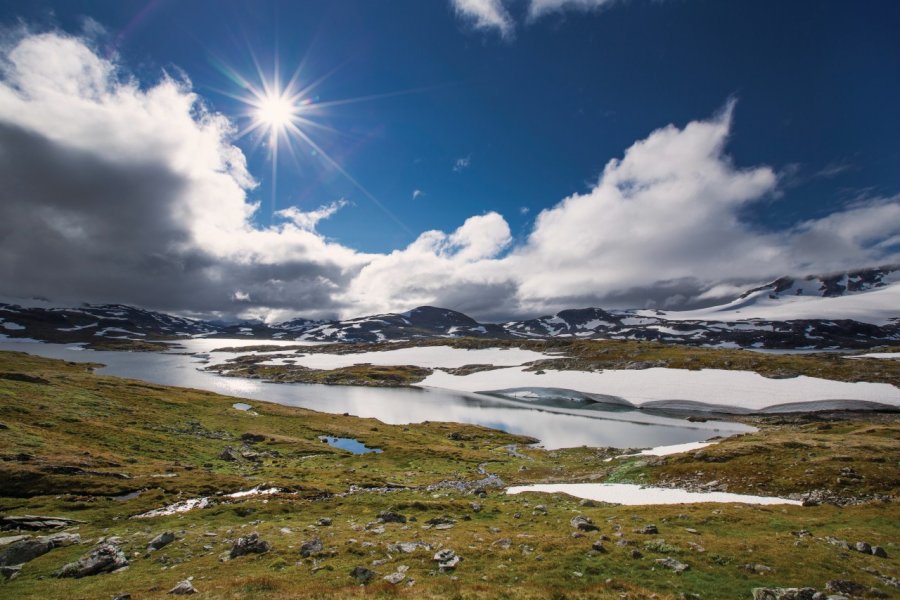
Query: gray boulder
pixel 447 559
pixel 249 544
pixel 784 593
pixel 311 548
pixel 160 541
pixel 408 547
pixel 362 574
pixel 105 558
pixel 391 517
pixel 648 529
pixel 183 588
pixel 24 551
pixel 671 563
pixel 29 548
pixel 582 523
pixel 844 586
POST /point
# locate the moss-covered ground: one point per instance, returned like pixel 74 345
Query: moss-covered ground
pixel 71 440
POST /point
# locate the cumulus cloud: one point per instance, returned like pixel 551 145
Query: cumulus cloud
pixel 113 191
pixel 661 227
pixel 486 15
pixel 116 192
pixel 308 220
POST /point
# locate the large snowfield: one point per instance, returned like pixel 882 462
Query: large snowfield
pixel 635 495
pixel 878 307
pixel 428 356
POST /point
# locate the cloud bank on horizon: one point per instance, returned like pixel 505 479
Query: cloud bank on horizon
pixel 114 191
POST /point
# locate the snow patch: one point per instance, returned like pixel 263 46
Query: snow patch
pixel 635 495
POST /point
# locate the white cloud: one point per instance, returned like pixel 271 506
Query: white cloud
pixel 539 8
pixel 462 164
pixel 307 221
pixel 417 194
pixel 115 192
pixel 486 15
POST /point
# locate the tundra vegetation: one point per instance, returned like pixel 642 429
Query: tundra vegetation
pixel 428 516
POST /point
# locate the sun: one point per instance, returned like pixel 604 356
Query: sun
pixel 275 111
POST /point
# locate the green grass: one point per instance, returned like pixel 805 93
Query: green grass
pixel 106 425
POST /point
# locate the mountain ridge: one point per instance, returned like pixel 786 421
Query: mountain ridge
pixel 853 309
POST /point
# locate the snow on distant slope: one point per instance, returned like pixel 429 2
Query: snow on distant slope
pixel 738 389
pixel 878 307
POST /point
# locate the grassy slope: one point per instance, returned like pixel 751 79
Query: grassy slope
pixel 105 424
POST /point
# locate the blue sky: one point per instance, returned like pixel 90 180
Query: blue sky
pixel 538 115
pixel 512 119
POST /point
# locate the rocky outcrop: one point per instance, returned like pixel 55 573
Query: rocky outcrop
pixel 105 558
pixel 249 544
pixel 29 548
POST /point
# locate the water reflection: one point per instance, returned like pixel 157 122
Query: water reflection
pixel 554 426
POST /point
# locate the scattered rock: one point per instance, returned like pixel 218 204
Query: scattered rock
pixel 784 594
pixel 582 523
pixel 879 552
pixel 311 548
pixel 251 438
pixel 122 597
pixel 183 588
pixel 10 571
pixel 844 586
pixel 441 522
pixel 391 517
pixel 598 547
pixel 635 553
pixel 160 541
pixel 647 530
pixel 504 543
pixel 540 509
pixel 757 568
pixel 447 559
pixel 249 544
pixel 586 502
pixel 362 574
pixel 475 506
pixel 408 547
pixel 398 576
pixel 671 563
pixel 35 523
pixel 105 558
pixel 229 454
pixel 324 522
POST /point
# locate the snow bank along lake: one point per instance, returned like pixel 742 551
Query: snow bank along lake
pixel 555 426
pixel 635 495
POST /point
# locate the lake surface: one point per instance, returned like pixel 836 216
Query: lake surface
pixel 554 426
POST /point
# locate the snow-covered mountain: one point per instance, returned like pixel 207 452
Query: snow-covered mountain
pixel 38 320
pixel 421 322
pixel 855 309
